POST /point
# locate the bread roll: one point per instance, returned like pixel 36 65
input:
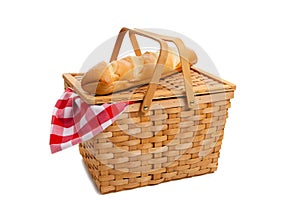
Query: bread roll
pixel 128 72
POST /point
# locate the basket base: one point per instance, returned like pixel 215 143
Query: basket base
pixel 104 182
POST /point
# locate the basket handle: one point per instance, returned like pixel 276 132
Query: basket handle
pixel 160 62
pixel 184 65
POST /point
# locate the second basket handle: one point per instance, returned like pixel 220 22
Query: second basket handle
pixel 184 65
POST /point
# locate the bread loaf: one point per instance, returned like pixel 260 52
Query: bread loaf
pixel 105 78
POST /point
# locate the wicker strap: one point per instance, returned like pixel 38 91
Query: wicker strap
pixel 160 62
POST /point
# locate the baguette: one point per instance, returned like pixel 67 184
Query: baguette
pixel 105 78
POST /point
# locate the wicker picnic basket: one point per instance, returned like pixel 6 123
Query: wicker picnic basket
pixel 172 130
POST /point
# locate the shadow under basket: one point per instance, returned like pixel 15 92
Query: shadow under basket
pixel 169 142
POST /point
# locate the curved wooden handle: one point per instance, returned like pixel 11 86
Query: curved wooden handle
pixel 182 50
pixel 163 53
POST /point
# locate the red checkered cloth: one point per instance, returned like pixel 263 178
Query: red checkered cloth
pixel 74 121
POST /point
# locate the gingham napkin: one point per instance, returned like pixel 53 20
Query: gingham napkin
pixel 74 121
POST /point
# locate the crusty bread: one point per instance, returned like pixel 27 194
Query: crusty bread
pixel 130 71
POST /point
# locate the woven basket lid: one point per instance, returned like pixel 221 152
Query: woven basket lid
pixel 169 87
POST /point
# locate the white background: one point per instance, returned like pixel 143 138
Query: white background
pixel 254 44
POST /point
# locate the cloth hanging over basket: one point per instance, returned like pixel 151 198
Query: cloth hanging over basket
pixel 74 121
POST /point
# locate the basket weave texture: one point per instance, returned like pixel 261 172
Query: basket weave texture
pixel 170 142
